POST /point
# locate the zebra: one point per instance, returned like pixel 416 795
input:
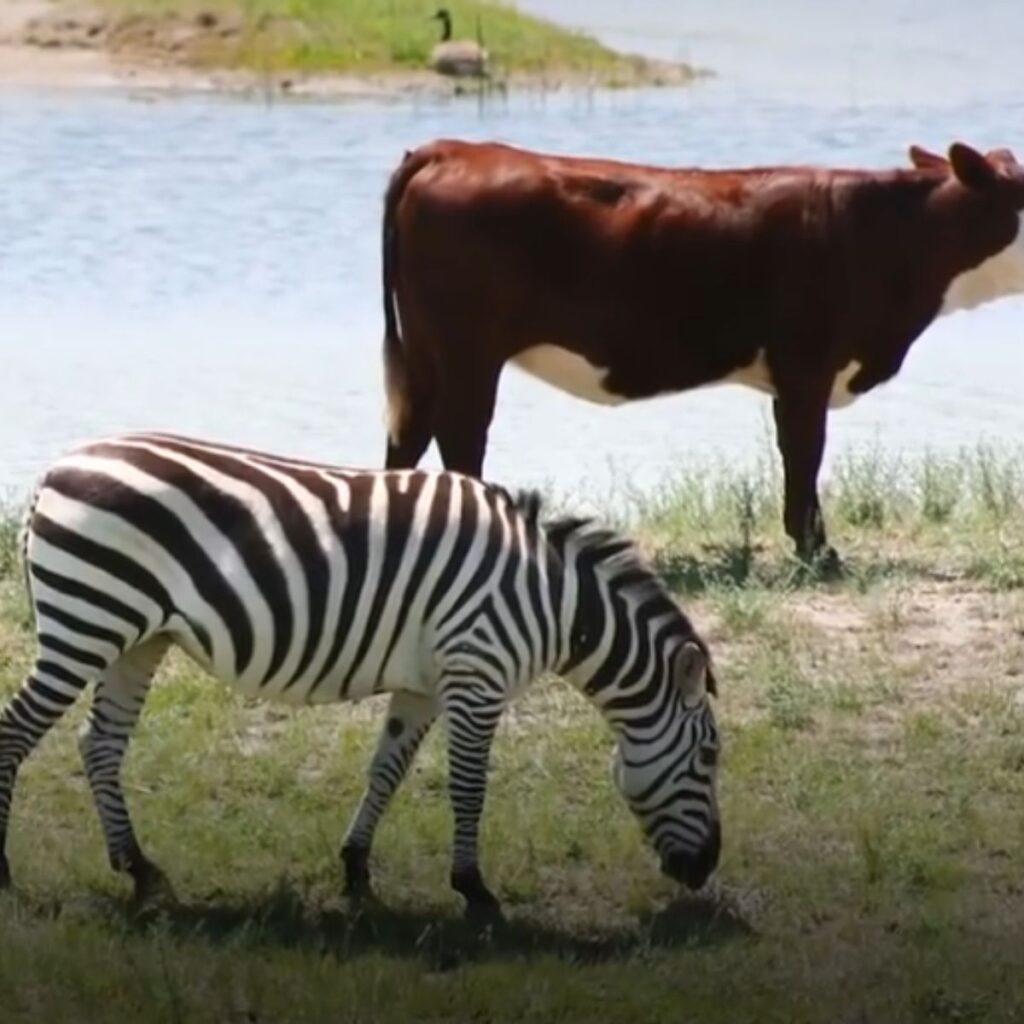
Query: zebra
pixel 307 583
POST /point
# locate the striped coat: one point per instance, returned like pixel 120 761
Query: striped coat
pixel 305 583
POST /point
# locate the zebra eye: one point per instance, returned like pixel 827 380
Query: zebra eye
pixel 710 756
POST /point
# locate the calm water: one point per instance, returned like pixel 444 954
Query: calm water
pixel 211 266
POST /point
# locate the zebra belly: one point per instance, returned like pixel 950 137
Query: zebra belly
pixel 405 669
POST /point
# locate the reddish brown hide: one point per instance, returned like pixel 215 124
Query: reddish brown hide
pixel 618 282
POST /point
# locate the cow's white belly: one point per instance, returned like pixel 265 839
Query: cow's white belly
pixel 841 393
pixel 568 372
pixel 578 376
pixel 755 374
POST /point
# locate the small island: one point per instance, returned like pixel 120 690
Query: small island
pixel 338 47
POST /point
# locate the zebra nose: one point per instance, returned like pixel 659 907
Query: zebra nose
pixel 694 869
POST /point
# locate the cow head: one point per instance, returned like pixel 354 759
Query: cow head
pixel 997 177
pixel 996 170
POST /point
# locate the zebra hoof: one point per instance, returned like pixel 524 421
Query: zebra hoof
pixel 482 906
pixel 5 872
pixel 361 897
pixel 356 860
pixel 484 920
pixel 151 884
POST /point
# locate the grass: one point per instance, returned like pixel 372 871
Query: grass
pixel 872 787
pixel 927 516
pixel 354 36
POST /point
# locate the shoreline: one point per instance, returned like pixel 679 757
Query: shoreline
pixel 28 68
pixel 66 59
pixel 32 68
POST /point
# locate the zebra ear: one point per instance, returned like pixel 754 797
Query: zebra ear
pixel 690 670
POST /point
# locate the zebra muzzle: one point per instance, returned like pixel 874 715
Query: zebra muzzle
pixel 693 868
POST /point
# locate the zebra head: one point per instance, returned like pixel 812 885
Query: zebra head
pixel 631 649
pixel 666 765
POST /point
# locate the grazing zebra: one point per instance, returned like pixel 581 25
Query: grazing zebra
pixel 308 583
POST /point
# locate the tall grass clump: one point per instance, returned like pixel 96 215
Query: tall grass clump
pixel 722 502
pixel 996 482
pixel 868 489
pixel 939 485
pixel 10 529
pixel 721 524
pixel 726 510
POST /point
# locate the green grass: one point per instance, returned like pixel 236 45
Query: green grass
pixel 354 35
pixel 872 788
pixel 920 517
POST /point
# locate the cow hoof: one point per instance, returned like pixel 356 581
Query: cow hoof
pixel 822 563
pixel 828 564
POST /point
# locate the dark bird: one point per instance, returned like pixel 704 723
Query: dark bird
pixel 458 57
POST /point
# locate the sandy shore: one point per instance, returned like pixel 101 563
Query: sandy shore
pixel 31 67
pixel 45 47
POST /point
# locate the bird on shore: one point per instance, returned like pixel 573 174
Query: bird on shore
pixel 458 57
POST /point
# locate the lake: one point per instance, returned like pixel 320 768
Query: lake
pixel 211 265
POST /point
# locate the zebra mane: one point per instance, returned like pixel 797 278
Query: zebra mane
pixel 529 504
pixel 619 557
pixel 621 561
pixel 617 554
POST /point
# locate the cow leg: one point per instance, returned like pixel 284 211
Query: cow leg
pixel 800 433
pixel 465 410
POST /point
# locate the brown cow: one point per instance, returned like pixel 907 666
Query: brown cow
pixel 618 282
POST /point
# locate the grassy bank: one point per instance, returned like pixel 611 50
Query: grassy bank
pixel 346 36
pixel 873 788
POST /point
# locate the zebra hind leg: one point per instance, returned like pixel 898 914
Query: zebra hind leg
pixel 408 721
pixel 103 741
pixel 471 716
pixel 59 675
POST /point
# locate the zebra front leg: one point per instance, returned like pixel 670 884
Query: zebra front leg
pixel 409 719
pixel 471 716
pixel 103 741
pixel 49 690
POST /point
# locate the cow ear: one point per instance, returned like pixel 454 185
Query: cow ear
pixel 971 167
pixel 1002 155
pixel 690 672
pixel 925 160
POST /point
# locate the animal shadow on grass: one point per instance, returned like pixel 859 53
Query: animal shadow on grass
pixel 440 941
pixel 736 565
pixel 724 565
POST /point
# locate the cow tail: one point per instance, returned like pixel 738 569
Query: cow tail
pixel 396 371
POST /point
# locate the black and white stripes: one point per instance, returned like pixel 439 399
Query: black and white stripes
pixel 307 583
